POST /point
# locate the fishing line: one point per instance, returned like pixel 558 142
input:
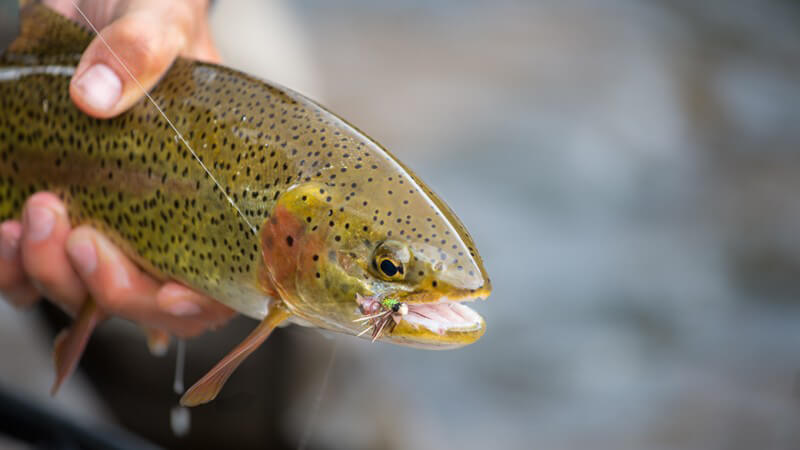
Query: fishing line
pixel 180 363
pixel 180 419
pixel 179 416
pixel 318 401
pixel 180 136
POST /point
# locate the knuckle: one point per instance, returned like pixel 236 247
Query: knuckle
pixel 143 50
pixel 114 297
pixel 182 14
pixel 43 279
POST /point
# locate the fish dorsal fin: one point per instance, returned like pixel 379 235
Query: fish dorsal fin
pixel 45 32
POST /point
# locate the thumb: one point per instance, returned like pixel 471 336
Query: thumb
pixel 146 41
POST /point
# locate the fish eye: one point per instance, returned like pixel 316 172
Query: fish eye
pixel 389 260
pixel 389 268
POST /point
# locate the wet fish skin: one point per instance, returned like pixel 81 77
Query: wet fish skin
pixel 323 197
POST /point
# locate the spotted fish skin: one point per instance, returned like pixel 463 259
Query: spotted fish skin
pixel 320 195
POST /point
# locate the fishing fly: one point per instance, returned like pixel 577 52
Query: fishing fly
pixel 273 216
pixel 380 312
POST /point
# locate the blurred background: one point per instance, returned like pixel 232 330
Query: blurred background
pixel 630 171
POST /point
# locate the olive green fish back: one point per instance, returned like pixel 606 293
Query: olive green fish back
pixel 132 177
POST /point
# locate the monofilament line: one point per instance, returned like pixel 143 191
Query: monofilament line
pixel 178 133
pixel 180 365
pixel 306 436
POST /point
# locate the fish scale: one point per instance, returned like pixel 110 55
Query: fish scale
pixel 323 197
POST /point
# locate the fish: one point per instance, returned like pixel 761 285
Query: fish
pixel 273 205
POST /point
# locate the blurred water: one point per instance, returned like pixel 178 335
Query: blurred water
pixel 629 172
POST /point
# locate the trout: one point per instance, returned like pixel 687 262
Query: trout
pixel 272 205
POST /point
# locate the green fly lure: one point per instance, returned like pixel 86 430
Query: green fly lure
pixel 379 312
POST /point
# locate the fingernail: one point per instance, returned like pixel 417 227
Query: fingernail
pixel 39 223
pixel 9 242
pixel 183 308
pixel 100 87
pixel 83 255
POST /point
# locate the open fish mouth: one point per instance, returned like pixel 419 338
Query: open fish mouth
pixel 443 324
pixel 439 324
pixel 444 316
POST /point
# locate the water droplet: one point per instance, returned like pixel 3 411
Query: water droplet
pixel 180 420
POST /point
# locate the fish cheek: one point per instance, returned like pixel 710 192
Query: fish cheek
pixel 281 237
pixel 290 249
pixel 314 275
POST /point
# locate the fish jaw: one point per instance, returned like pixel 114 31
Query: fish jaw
pixel 324 282
pixel 438 326
pixel 446 323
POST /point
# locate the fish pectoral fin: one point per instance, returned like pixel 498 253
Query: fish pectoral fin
pixel 207 388
pixel 71 342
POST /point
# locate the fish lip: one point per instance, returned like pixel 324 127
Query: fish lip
pixel 433 322
pixel 441 323
pixel 420 298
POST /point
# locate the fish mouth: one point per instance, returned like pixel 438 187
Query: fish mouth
pixel 443 324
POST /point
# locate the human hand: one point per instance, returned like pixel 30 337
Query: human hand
pixel 146 34
pixel 42 255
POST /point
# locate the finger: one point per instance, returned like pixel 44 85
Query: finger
pixel 11 273
pixel 120 288
pixel 146 38
pixel 13 283
pixel 45 227
pixel 202 46
pixel 179 300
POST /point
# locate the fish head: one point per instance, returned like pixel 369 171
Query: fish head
pixel 380 235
